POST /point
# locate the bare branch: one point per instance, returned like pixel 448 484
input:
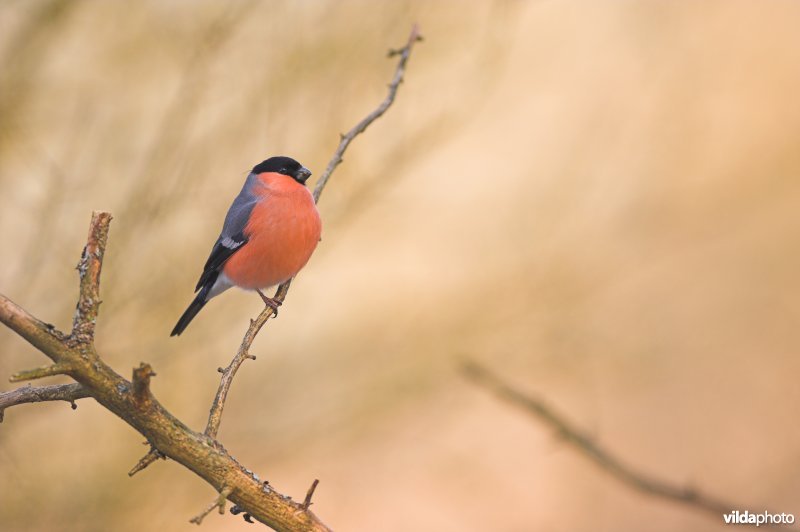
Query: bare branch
pixel 583 443
pixel 38 373
pixel 30 394
pixel 219 502
pixel 215 415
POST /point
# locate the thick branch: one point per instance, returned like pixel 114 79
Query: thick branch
pixel 215 415
pixel 134 403
pixel 584 444
pixel 30 394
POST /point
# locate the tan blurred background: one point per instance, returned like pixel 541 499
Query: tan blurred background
pixel 598 199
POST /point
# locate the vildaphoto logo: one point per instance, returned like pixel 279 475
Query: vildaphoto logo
pixel 765 518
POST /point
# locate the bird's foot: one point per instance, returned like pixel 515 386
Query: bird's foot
pixel 271 303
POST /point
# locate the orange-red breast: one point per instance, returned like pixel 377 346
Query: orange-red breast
pixel 270 232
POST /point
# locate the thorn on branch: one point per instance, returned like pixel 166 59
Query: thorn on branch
pixel 218 503
pixel 309 494
pixel 141 382
pixel 152 455
pixel 41 372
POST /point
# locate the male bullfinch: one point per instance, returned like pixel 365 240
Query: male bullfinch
pixel 269 234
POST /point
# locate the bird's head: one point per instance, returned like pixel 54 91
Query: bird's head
pixel 285 166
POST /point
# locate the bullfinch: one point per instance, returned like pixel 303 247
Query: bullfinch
pixel 270 232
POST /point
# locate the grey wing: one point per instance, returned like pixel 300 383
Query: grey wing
pixel 239 213
pixel 232 237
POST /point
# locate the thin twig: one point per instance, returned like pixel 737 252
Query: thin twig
pixel 39 373
pixel 215 415
pixel 219 502
pixel 359 128
pixel 583 443
pixel 35 394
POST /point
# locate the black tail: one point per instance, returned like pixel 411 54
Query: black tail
pixel 194 307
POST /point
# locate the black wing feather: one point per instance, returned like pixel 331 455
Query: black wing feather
pixel 222 251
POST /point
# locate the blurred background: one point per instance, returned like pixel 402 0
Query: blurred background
pixel 600 201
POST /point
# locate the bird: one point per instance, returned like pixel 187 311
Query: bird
pixel 271 229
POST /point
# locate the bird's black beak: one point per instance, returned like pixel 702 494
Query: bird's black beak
pixel 303 174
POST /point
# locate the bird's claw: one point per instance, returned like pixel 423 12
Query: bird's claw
pixel 271 303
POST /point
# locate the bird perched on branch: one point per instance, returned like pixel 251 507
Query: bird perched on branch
pixel 270 232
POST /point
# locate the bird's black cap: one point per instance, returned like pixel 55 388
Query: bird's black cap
pixel 284 165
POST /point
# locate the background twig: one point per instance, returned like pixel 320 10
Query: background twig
pixel 584 444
